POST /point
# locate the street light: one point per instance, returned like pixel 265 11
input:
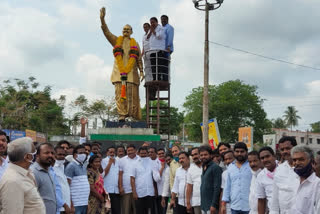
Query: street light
pixel 206 6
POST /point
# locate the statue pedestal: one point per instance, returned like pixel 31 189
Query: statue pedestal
pixel 124 136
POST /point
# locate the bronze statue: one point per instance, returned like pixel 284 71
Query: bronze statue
pixel 125 77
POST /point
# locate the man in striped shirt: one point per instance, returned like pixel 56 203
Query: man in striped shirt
pixel 76 173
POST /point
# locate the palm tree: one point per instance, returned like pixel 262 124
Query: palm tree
pixel 291 117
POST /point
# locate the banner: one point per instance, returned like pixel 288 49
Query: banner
pixel 213 133
pixel 15 134
pixel 246 136
pixel 32 134
pixel 270 140
pixel 41 138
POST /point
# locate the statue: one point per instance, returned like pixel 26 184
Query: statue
pixel 125 77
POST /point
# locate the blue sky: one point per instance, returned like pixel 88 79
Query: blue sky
pixel 60 43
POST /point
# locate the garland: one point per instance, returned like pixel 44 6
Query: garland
pixel 124 70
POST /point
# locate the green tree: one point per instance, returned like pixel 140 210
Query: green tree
pixel 24 106
pixel 291 116
pixel 315 127
pixel 279 123
pixel 176 117
pixel 234 104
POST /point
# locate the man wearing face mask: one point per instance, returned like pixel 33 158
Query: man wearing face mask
pixel 179 185
pixel 60 154
pixel 44 179
pixel 76 173
pixel 142 183
pixel 307 197
pixel 286 181
pixel 18 190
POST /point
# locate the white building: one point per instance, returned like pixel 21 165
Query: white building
pixel 304 138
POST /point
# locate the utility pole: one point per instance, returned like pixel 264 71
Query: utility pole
pixel 204 5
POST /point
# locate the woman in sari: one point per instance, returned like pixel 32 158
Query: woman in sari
pixel 97 193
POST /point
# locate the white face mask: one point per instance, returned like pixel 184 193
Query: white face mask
pixel 33 155
pixel 60 162
pixel 81 157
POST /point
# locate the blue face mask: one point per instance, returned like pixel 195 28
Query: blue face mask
pixel 91 154
pixel 176 159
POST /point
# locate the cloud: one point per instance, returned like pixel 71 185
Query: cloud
pixel 95 74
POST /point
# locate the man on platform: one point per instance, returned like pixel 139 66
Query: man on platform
pixel 169 31
pixel 127 98
pixel 159 62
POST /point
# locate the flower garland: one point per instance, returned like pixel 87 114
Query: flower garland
pixel 124 70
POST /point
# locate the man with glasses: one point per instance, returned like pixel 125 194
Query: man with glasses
pixel 18 190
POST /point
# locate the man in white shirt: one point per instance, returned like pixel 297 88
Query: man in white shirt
pixel 228 158
pixel 179 184
pixel 110 174
pixel 158 166
pixel 146 53
pixel 256 167
pixel 125 167
pixel 286 181
pixel 142 183
pixel 158 56
pixel 166 184
pixel 265 179
pixel 121 152
pixel 3 153
pixel 60 154
pixel 194 183
pixel 307 197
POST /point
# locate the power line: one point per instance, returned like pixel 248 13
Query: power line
pixel 265 57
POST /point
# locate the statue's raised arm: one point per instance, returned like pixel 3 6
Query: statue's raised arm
pixel 111 38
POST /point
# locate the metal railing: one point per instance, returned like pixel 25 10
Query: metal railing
pixel 157 65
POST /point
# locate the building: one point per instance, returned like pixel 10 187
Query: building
pixel 303 138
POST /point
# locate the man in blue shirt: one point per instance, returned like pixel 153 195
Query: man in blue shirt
pixel 237 187
pixel 169 31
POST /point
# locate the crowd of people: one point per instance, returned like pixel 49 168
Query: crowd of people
pixel 147 180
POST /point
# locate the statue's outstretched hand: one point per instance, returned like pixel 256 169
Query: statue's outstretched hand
pixel 102 13
pixel 141 76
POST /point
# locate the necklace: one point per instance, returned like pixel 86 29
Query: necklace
pixel 124 70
